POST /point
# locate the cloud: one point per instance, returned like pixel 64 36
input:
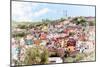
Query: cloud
pixel 41 12
pixel 26 11
pixel 22 11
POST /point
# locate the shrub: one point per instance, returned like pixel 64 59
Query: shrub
pixel 69 59
pixel 44 57
pixel 36 55
pixel 18 34
pixel 79 57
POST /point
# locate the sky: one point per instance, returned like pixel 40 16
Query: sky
pixel 32 11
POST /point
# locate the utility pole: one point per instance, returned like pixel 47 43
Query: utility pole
pixel 65 13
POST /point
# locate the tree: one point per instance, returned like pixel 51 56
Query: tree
pixel 62 19
pixel 92 23
pixel 46 20
pixel 22 26
pixel 79 21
